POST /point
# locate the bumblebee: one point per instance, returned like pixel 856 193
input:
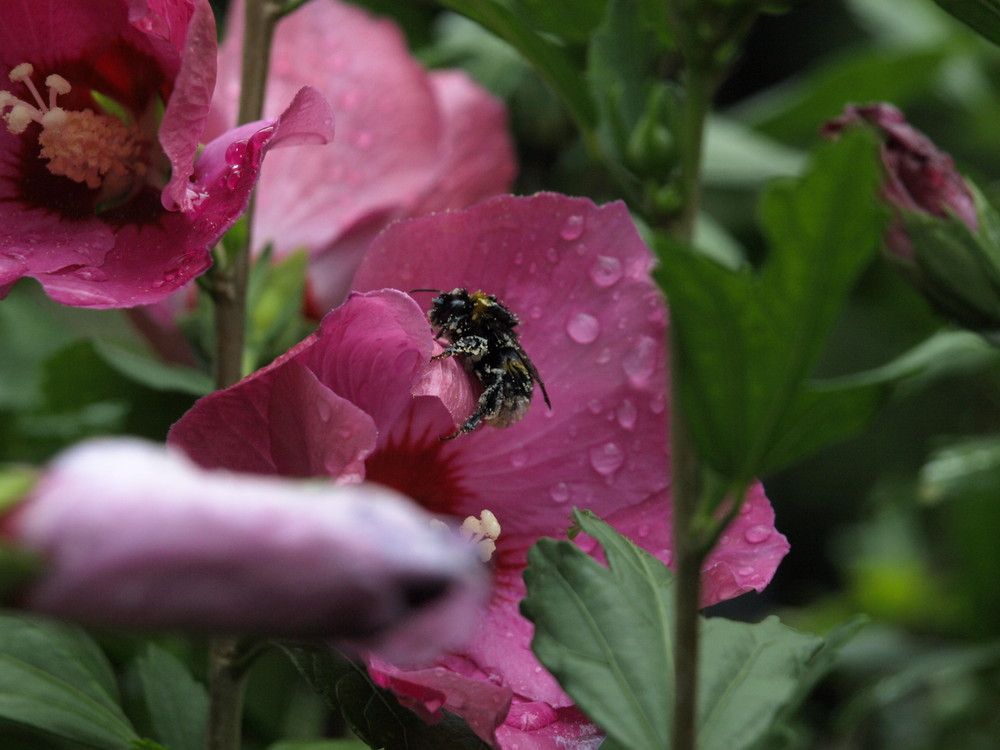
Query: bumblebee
pixel 480 333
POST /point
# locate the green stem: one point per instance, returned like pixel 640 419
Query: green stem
pixel 689 551
pixel 228 284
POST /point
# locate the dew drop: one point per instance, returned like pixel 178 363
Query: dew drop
pixel 745 570
pixel 606 459
pixel 157 284
pixel 595 406
pixel 535 312
pixel 583 328
pixel 667 556
pixel 627 413
pixel 350 99
pixel 658 403
pixel 236 152
pixel 757 534
pixel 572 229
pixel 559 492
pixel 518 258
pixel 606 271
pixel 91 274
pixel 364 140
pixel 552 254
pixel 643 531
pixel 640 362
pixel 604 357
pixel 518 459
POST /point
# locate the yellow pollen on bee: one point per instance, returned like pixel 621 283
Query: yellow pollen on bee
pixel 89 147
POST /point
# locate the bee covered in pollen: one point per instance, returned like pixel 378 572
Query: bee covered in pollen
pixel 480 333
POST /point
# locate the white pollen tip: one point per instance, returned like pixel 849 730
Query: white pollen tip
pixel 54 118
pixel 58 84
pixel 18 118
pixel 22 71
pixel 6 98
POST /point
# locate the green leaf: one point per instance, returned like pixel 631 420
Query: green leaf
pixel 570 19
pixel 620 62
pixel 274 302
pixel 89 388
pixel 606 633
pixel 53 677
pixel 747 341
pixel 374 714
pixel 982 16
pixel 319 745
pixel 793 112
pixel 550 59
pixel 175 703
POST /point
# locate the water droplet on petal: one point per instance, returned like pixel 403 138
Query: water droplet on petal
pixel 559 492
pixel 606 459
pixel 583 328
pixel 640 362
pixel 535 312
pixel 643 531
pixel 627 413
pixel 350 99
pixel 757 534
pixel 236 152
pixel 518 459
pixel 364 140
pixel 745 570
pixel 606 271
pixel 572 229
pixel 552 254
pixel 595 406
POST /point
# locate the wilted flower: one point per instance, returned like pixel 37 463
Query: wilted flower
pixel 934 238
pixel 104 105
pixel 408 141
pixel 362 399
pixel 133 535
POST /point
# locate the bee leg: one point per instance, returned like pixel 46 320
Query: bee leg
pixel 489 404
pixel 473 347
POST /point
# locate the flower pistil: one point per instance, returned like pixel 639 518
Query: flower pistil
pixel 99 150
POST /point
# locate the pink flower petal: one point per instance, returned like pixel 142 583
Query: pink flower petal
pixel 593 322
pixel 406 142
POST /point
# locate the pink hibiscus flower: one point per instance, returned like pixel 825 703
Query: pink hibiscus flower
pixel 132 535
pixel 102 198
pixel 362 398
pixel 408 141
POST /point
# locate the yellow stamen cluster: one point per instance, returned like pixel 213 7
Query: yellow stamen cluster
pixel 482 533
pixel 96 149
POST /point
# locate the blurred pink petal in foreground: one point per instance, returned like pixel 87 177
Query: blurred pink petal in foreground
pixel 135 535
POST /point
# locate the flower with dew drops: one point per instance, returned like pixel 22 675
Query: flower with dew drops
pixel 104 197
pixel 362 399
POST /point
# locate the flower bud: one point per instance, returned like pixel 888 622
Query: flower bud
pixel 943 236
pixel 130 534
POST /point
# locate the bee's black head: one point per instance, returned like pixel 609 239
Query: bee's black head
pixel 451 307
